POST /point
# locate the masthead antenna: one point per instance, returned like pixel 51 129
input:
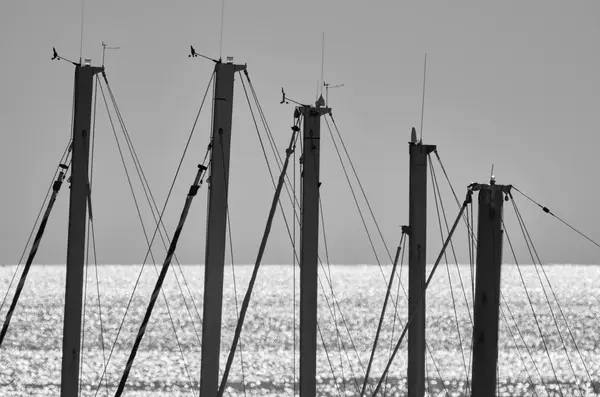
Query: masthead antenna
pixel 423 101
pixel 81 33
pixel 222 20
pixel 322 60
pixel 106 47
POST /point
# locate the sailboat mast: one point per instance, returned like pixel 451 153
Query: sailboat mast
pixel 487 288
pixel 417 264
pixel 216 225
pixel 309 245
pixel 80 189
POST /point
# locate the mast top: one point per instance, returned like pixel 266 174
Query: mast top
pixel 413 136
pixel 320 102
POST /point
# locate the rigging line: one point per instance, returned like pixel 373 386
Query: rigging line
pixel 294 272
pixel 436 194
pixel 263 244
pixel 36 242
pixel 271 141
pixel 473 249
pixel 472 239
pixel 285 218
pixel 437 369
pixel 338 333
pixel 273 144
pixel 358 206
pixel 82 334
pixel 338 338
pixel 530 304
pixel 89 223
pixel 99 304
pixel 391 347
pixel 469 227
pixel 423 101
pixel 332 311
pixel 149 252
pixel 528 237
pixel 436 187
pixel 153 207
pixel 427 282
pixel 555 298
pixel 266 157
pixel 547 210
pixel 37 218
pixel 535 318
pixel 332 308
pixel 188 202
pixel 235 295
pixel 225 178
pixel 516 345
pixel 329 360
pixel 382 316
pixel 360 186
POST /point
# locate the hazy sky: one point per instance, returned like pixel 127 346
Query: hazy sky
pixel 509 83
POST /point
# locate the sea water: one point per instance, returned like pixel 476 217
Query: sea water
pixel 168 361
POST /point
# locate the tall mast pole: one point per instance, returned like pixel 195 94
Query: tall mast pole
pixel 417 264
pixel 216 225
pixel 80 189
pixel 487 288
pixel 309 245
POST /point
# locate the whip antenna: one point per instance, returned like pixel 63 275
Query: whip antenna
pixel 423 101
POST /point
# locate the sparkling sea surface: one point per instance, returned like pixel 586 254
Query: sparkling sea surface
pixel 168 362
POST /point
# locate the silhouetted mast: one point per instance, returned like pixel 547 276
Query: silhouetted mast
pixel 417 256
pixel 487 287
pixel 216 225
pixel 80 190
pixel 309 244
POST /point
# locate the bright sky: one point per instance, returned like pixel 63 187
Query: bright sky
pixel 512 83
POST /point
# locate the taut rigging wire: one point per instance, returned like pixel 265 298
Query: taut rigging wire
pixel 158 216
pixel 438 204
pixel 547 210
pixel 535 317
pixel 37 218
pixel 36 243
pixel 294 200
pixel 263 243
pixel 533 249
pixel 427 282
pixel 382 316
pixel 156 230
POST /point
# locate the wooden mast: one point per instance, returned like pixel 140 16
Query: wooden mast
pixel 417 264
pixel 216 225
pixel 84 78
pixel 487 288
pixel 309 245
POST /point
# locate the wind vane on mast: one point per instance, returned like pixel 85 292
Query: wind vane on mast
pixel 194 54
pixel 56 56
